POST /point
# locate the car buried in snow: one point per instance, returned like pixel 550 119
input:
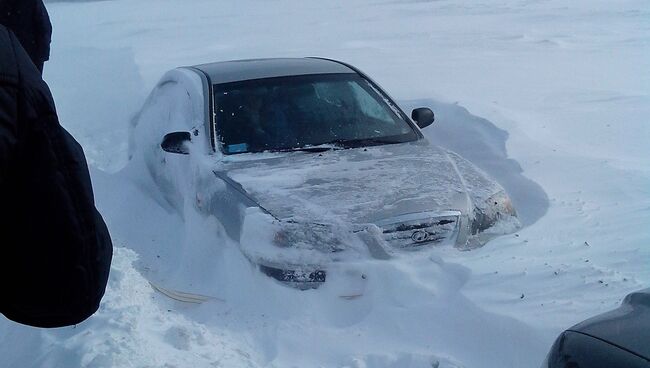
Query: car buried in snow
pixel 310 164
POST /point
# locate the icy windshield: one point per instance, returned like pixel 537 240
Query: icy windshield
pixel 298 112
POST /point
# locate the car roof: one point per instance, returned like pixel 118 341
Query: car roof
pixel 240 70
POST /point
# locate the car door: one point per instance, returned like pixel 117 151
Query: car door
pixel 168 109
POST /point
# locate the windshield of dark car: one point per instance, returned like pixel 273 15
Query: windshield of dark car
pixel 276 114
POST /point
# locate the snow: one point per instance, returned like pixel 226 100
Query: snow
pixel 550 98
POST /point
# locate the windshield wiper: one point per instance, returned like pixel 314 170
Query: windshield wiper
pixel 339 144
pixel 354 143
pixel 313 149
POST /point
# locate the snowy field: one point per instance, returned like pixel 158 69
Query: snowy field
pixel 552 98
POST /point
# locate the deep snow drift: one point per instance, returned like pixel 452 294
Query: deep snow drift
pixel 550 98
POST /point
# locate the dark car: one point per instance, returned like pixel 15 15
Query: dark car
pixel 616 339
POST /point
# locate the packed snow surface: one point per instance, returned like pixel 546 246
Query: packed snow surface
pixel 551 98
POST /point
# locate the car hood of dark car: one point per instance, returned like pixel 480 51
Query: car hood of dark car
pixel 627 327
pixel 359 185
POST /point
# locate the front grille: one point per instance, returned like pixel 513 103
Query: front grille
pixel 413 231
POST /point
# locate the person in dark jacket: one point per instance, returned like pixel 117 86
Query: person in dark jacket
pixel 29 21
pixel 55 249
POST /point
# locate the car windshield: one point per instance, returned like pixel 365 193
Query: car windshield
pixel 305 112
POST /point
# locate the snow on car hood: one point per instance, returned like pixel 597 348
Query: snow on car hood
pixel 360 185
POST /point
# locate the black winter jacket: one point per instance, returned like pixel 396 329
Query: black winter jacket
pixel 55 250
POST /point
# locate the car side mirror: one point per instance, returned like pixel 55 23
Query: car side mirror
pixel 176 142
pixel 423 117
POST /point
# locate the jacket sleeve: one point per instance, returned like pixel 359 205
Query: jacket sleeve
pixel 8 101
pixel 7 126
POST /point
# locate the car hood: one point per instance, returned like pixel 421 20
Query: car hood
pixel 627 327
pixel 360 185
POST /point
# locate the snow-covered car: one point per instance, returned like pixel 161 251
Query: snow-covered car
pixel 309 164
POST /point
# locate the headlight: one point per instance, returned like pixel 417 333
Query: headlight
pixel 501 204
pixel 497 207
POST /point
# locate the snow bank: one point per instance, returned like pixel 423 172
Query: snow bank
pixel 135 327
pixel 410 311
pixel 96 92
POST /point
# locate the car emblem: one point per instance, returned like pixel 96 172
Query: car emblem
pixel 420 236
